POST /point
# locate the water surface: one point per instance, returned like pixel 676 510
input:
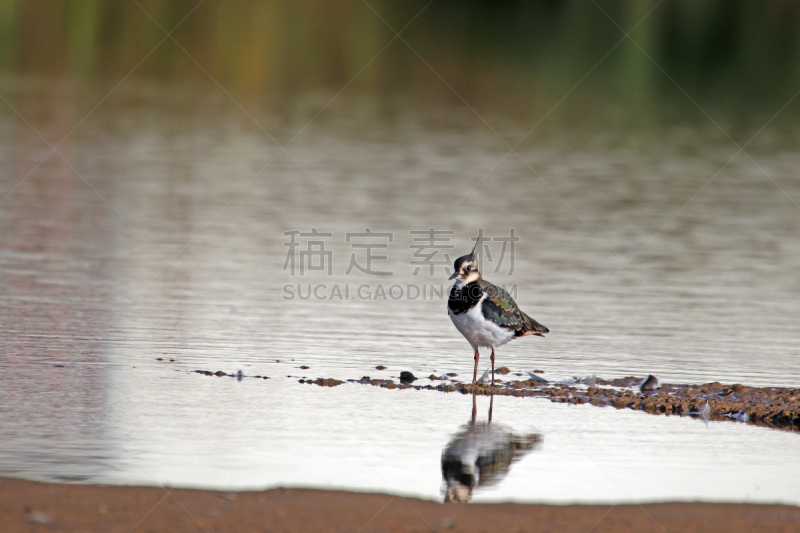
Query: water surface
pixel 161 234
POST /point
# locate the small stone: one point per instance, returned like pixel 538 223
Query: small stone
pixel 304 367
pixel 536 379
pixel 503 370
pixel 219 373
pixel 619 403
pixel 651 383
pixel 380 367
pixel 103 508
pixel 327 382
pixel 159 359
pixel 406 377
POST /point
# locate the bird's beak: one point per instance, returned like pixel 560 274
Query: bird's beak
pixel 455 274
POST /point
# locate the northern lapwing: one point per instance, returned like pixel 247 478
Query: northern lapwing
pixel 484 313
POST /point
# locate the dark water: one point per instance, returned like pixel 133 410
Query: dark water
pixel 154 232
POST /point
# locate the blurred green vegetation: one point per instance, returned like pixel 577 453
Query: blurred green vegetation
pixel 494 50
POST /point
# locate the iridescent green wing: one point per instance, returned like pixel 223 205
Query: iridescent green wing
pixel 500 308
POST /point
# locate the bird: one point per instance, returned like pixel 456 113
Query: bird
pixel 484 313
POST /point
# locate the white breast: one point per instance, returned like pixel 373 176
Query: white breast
pixel 479 331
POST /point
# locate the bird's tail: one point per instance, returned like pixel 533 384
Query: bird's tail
pixel 533 328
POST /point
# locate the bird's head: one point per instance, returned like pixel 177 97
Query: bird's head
pixel 466 268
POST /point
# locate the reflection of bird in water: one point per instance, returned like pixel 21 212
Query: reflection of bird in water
pixel 480 455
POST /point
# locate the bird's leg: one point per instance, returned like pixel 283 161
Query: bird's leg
pixel 475 373
pixel 474 408
pixel 492 367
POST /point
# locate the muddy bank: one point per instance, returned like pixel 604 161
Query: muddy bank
pixel 26 506
pixel 768 406
pixel 774 407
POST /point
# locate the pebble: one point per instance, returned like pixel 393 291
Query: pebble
pixel 328 382
pixel 537 379
pixel 406 377
pixel 651 383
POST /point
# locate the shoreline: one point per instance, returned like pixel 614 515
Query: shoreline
pixel 772 407
pixel 33 506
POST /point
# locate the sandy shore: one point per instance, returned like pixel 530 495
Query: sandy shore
pixel 29 506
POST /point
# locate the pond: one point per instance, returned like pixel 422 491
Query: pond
pixel 157 241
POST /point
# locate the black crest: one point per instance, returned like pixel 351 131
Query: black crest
pixel 465 258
